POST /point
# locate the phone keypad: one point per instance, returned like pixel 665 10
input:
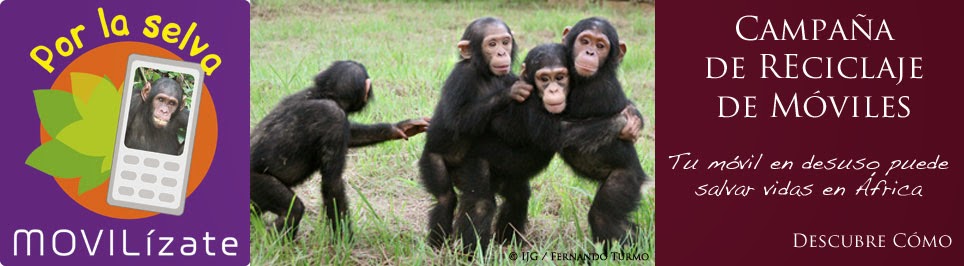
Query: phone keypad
pixel 128 175
pixel 149 178
pixel 166 197
pixel 172 166
pixel 170 182
pixel 154 185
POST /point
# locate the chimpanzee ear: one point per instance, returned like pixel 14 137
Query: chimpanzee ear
pixel 464 49
pixel 564 33
pixel 522 72
pixel 622 51
pixel 146 91
pixel 183 101
pixel 368 89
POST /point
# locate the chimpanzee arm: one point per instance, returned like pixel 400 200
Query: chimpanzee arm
pixel 625 126
pixel 632 129
pixel 592 133
pixel 481 111
pixel 364 135
pixel 182 118
pixel 471 111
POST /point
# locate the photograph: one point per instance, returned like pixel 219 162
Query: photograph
pixel 483 132
pixel 451 132
pixel 160 110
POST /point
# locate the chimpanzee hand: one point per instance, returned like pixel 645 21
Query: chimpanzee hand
pixel 630 131
pixel 520 91
pixel 411 127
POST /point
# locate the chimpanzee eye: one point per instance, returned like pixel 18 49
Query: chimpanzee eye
pixel 505 42
pixel 584 41
pixel 544 79
pixel 560 77
pixel 492 44
pixel 600 46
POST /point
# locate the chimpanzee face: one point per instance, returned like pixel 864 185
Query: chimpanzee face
pixel 164 99
pixel 163 106
pixel 552 83
pixel 590 51
pixel 489 46
pixel 497 48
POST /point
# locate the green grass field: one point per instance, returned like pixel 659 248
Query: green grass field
pixel 409 49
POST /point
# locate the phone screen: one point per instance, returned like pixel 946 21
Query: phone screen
pixel 160 110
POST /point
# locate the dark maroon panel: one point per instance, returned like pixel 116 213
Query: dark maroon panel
pixel 758 229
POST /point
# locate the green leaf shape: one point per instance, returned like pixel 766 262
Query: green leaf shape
pixel 94 134
pixel 80 137
pixel 86 89
pixel 83 125
pixel 56 109
pixel 105 163
pixel 82 86
pixel 104 104
pixel 57 159
pixel 88 182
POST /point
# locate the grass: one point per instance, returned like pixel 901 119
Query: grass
pixel 409 49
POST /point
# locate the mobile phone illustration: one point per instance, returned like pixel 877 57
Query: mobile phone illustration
pixel 155 134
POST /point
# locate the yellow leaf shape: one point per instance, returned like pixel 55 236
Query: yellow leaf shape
pixel 82 136
pixel 105 164
pixel 82 86
pixel 88 92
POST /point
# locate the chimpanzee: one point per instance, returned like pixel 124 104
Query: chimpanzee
pixel 596 92
pixel 309 132
pixel 150 126
pixel 476 87
pixel 519 144
pixel 595 52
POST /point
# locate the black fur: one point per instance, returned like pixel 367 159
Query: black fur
pixel 141 133
pixel 469 97
pixel 309 132
pixel 518 145
pixel 613 162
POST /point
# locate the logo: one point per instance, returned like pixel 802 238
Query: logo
pixel 79 119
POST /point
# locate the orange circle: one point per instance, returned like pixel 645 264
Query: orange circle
pixel 111 60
